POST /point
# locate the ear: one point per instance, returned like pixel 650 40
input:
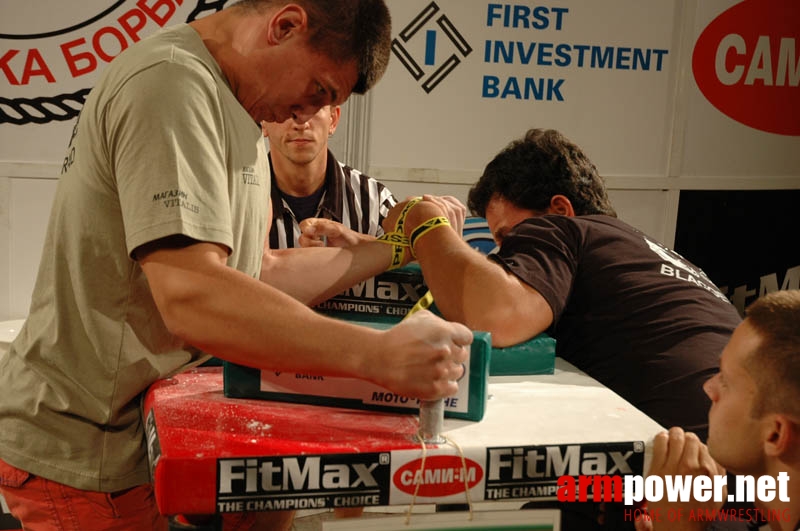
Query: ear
pixel 288 21
pixel 559 204
pixel 782 436
pixel 336 112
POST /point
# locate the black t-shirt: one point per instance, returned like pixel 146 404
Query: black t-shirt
pixel 631 313
pixel 306 206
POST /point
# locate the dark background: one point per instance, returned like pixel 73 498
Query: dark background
pixel 738 236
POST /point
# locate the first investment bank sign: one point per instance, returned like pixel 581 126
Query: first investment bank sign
pixel 746 62
pixel 536 40
pixel 51 51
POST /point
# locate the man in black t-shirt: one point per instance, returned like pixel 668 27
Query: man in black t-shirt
pixel 630 312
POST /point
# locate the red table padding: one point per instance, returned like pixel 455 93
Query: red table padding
pixel 209 453
pixel 191 425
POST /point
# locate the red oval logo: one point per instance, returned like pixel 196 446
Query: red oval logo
pixel 443 476
pixel 747 64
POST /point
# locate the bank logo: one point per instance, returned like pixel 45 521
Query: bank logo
pixel 420 27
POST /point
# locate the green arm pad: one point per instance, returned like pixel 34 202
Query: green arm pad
pixel 535 356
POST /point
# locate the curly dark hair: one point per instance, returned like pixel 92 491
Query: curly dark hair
pixel 529 171
pixel 345 30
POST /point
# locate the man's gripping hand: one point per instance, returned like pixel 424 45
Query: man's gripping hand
pixel 423 357
pixel 431 206
pixel 454 210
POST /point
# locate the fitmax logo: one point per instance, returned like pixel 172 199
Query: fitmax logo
pixel 386 290
pixel 415 27
pixel 550 462
pixel 302 474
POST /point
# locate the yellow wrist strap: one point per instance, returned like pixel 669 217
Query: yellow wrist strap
pixel 401 219
pixel 399 242
pixel 423 303
pixel 425 228
pixel 397 237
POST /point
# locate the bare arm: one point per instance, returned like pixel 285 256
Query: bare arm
pixel 471 289
pixel 314 274
pixel 321 232
pixel 235 317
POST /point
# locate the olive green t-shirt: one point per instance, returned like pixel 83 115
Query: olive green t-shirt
pixel 161 147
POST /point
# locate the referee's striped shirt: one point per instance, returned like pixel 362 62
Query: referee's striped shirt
pixel 352 198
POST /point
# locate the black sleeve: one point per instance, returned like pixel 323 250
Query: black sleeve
pixel 544 252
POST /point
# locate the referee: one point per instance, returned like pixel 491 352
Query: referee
pixel 308 181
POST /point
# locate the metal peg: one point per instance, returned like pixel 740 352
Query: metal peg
pixel 431 421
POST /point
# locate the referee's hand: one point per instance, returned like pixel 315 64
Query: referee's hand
pixel 321 232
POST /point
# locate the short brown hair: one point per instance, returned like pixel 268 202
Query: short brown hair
pixel 346 30
pixel 775 365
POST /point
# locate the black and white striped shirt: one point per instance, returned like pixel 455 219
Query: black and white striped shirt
pixel 352 198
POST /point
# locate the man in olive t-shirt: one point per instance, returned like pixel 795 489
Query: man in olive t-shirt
pixel 156 257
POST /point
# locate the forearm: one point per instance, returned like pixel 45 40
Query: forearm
pixel 239 319
pixel 314 274
pixel 471 289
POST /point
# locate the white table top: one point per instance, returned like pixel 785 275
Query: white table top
pixel 8 331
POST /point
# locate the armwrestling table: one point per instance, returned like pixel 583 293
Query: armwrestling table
pixel 210 454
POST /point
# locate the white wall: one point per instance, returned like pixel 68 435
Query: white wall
pixel 24 217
